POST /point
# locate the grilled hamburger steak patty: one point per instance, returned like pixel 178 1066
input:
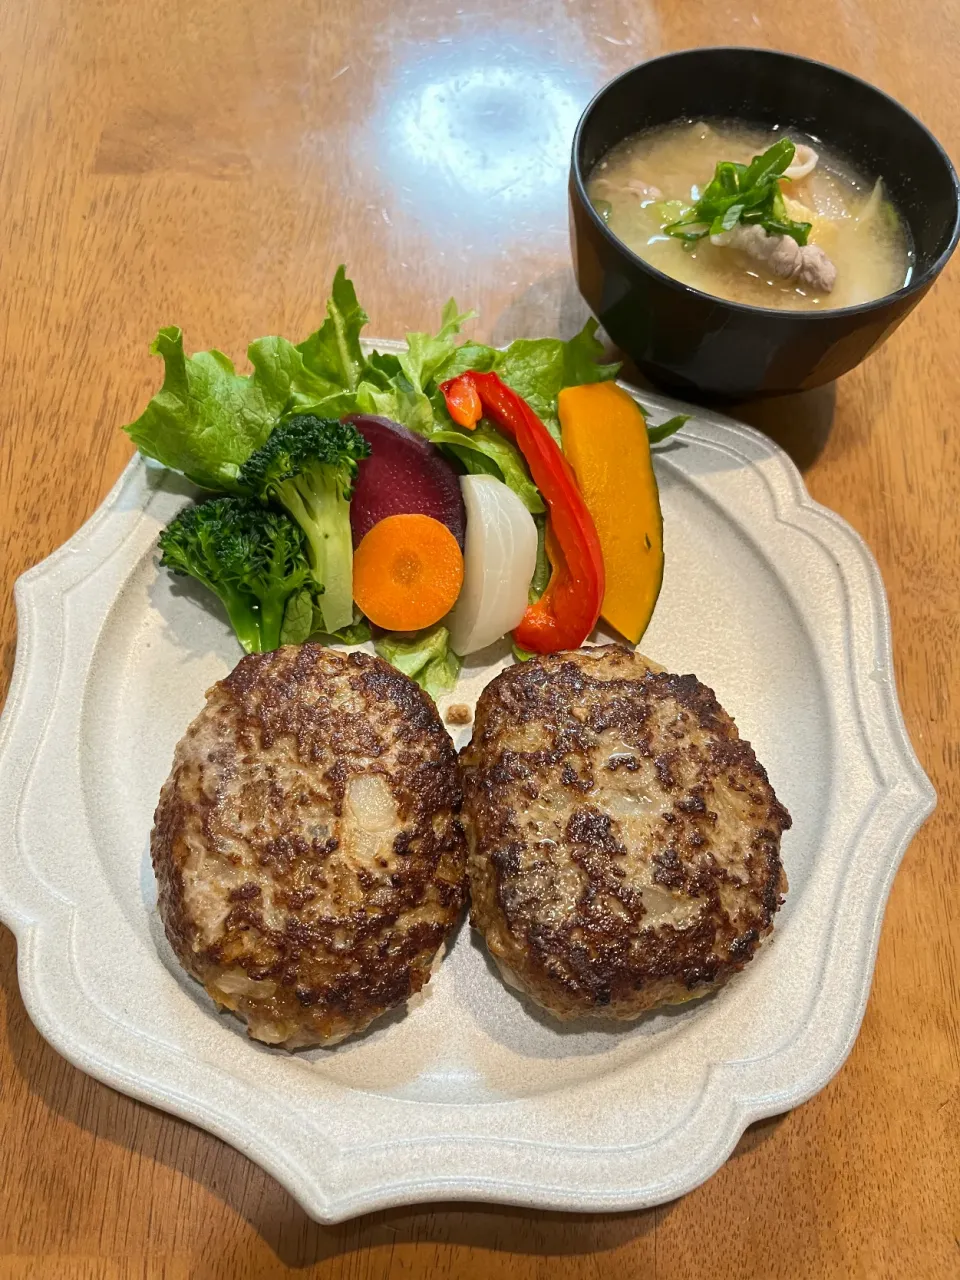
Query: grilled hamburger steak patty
pixel 624 842
pixel 307 848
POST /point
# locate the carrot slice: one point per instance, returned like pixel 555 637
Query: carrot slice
pixel 407 572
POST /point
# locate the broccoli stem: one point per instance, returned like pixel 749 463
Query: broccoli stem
pixel 336 603
pixel 316 502
pixel 244 619
pixel 271 620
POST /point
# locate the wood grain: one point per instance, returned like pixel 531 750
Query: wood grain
pixel 210 165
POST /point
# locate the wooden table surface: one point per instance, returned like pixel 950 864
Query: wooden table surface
pixel 209 165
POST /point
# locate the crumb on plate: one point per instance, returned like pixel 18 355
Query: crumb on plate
pixel 458 713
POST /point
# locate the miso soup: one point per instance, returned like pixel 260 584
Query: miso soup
pixel 647 189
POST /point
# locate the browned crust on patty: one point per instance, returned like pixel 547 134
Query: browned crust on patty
pixel 624 840
pixel 301 897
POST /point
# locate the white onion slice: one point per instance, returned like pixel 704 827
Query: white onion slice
pixel 499 557
pixel 804 162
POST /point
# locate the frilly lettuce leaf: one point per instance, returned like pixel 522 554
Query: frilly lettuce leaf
pixel 485 451
pixel 395 386
pixel 425 657
pixel 539 368
pixel 358 632
pixel 297 623
pixel 333 353
pixel 469 355
pixel 207 419
pixel 427 353
pixel 302 620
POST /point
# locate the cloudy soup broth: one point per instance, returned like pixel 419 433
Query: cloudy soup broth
pixel 856 247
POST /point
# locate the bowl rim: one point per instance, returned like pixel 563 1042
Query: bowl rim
pixel 918 282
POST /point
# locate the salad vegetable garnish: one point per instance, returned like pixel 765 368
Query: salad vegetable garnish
pixel 308 465
pixel 568 610
pixel 207 419
pixel 252 558
pixel 404 473
pixel 744 194
pixel 426 658
pixel 407 572
pixel 340 472
pixel 500 559
pixel 607 444
pixel 536 368
pixel 358 632
pixel 484 451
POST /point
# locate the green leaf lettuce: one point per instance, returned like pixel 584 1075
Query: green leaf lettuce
pixel 207 419
pixel 426 658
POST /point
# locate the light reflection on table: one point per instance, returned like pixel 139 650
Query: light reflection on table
pixel 475 139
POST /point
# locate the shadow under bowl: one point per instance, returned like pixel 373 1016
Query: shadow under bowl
pixel 691 341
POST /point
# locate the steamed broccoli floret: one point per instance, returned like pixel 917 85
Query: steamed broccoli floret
pixel 309 466
pixel 252 558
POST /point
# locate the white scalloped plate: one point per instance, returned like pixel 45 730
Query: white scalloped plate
pixel 769 598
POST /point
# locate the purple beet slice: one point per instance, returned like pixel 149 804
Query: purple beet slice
pixel 404 475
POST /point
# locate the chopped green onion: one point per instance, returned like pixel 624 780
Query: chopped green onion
pixel 748 194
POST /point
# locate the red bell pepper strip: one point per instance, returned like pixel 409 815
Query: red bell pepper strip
pixel 463 402
pixel 568 610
